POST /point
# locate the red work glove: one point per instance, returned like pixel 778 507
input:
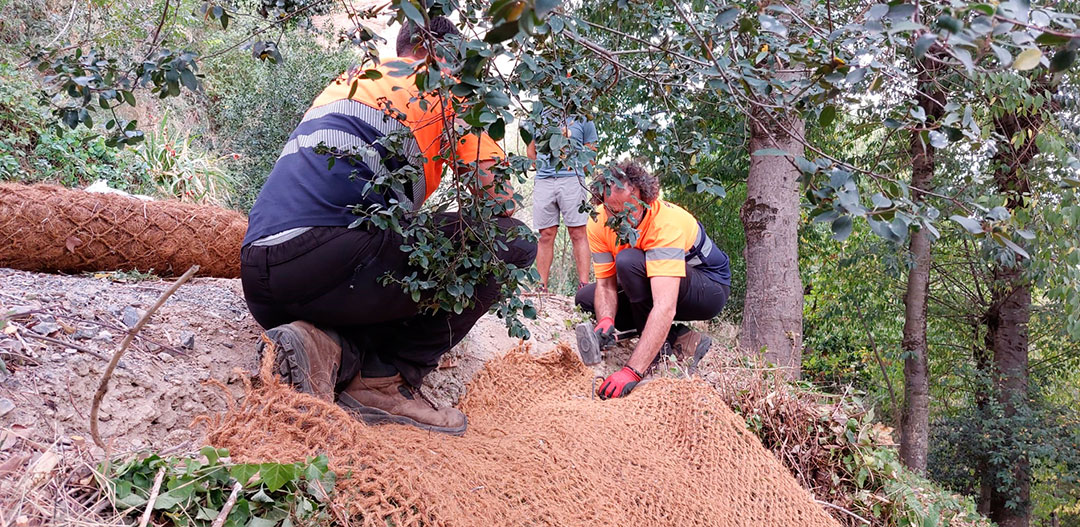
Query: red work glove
pixel 605 332
pixel 619 384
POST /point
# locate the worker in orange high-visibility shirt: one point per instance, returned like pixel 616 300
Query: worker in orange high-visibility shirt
pixel 672 271
pixel 314 282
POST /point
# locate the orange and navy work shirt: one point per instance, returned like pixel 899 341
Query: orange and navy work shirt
pixel 671 238
pixel 346 122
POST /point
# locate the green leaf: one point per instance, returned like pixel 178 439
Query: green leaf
pixel 496 98
pixel 261 522
pixel 923 44
pixel 1027 59
pixel 726 17
pixel 828 115
pixel 772 25
pixel 210 453
pixel 766 152
pixel 243 473
pixel 973 226
pixel 841 228
pixel 276 475
pixel 497 130
pixel 412 13
pixel 502 32
pixel 543 7
pixel 1050 39
pixel 985 9
pixel 1013 246
pixel 130 501
pixel 901 11
pixel 1062 60
pixel 167 500
pixel 370 74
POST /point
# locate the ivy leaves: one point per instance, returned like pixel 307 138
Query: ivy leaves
pixel 194 490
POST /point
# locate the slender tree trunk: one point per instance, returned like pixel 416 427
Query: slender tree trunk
pixel 1008 331
pixel 772 313
pixel 1007 325
pixel 915 418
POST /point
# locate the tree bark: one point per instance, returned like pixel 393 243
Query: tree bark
pixel 773 309
pixel 915 417
pixel 1007 325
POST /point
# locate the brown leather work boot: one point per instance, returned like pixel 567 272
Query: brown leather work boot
pixel 382 400
pixel 307 358
pixel 690 346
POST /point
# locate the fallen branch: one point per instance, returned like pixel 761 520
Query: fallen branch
pixel 841 509
pixel 153 497
pixel 220 520
pixel 71 345
pixel 104 385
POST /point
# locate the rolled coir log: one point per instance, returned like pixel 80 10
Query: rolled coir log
pixel 54 229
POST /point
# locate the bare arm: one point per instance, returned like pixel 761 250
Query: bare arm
pixel 665 292
pixel 531 150
pixel 606 300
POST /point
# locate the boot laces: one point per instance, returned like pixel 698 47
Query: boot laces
pixel 409 391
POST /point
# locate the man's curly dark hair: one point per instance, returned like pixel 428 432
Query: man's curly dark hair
pixel 409 36
pixel 633 172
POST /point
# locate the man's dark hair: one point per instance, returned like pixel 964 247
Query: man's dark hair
pixel 411 34
pixel 630 171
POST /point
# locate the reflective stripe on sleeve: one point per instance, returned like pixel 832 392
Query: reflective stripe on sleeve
pixel 602 258
pixel 664 253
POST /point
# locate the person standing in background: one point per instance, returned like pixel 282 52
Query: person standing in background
pixel 560 189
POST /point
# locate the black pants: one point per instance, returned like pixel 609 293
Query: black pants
pixel 700 297
pixel 330 276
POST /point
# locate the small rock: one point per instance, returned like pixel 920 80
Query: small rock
pixel 84 333
pixel 131 316
pixel 70 351
pixel 17 311
pixel 165 357
pixel 57 357
pixel 46 328
pixel 187 340
pixel 229 345
pixel 103 335
pixel 6 406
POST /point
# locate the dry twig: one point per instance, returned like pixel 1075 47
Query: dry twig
pixel 104 385
pixel 153 497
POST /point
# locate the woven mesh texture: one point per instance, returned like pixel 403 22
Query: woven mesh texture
pixel 49 228
pixel 539 451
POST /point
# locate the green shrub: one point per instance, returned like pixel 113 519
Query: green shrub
pixel 175 168
pixel 33 150
pixel 254 106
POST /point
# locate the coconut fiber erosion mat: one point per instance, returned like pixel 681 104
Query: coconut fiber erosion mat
pixel 539 451
pixel 49 228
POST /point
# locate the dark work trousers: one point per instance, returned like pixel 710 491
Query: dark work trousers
pixel 700 297
pixel 330 276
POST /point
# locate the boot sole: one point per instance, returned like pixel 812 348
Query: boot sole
pixel 587 344
pixel 374 416
pixel 291 362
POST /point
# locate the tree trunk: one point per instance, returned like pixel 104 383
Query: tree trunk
pixel 1008 331
pixel 1007 324
pixel 915 418
pixel 772 313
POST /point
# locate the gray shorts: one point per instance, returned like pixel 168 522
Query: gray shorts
pixel 559 194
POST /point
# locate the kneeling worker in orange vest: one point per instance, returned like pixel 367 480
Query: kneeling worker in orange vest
pixel 314 283
pixel 671 271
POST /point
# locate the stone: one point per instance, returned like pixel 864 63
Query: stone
pixel 131 315
pixel 187 340
pixel 229 345
pixel 6 406
pixel 84 333
pixel 165 357
pixel 46 328
pixel 104 335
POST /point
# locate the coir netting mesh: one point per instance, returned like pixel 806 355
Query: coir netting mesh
pixel 49 228
pixel 539 451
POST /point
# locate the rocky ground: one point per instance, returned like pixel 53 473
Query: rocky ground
pixel 60 332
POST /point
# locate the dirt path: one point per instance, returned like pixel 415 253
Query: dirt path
pixel 202 332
